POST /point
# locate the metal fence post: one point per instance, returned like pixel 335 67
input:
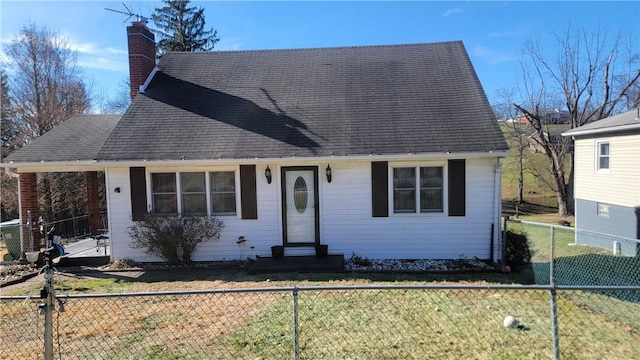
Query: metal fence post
pixel 296 355
pixel 48 315
pixel 552 293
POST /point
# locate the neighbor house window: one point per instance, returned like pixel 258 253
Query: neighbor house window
pixel 603 155
pixel 192 188
pixel 223 192
pixel 418 189
pixel 603 209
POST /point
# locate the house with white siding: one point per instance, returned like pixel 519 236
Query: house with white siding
pixel 607 182
pixel 386 152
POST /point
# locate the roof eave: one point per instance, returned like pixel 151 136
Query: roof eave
pixel 603 130
pixel 98 165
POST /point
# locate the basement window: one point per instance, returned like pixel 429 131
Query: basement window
pixel 603 209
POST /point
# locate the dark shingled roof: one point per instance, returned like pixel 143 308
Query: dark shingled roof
pixel 395 99
pixel 79 138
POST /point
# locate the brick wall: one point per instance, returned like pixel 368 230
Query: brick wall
pixel 29 202
pixel 142 54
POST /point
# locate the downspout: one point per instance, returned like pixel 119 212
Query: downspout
pixel 497 210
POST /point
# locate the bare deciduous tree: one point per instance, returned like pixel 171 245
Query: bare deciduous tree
pixel 589 77
pixel 46 89
pixel 8 184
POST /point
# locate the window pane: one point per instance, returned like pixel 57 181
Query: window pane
pixel 404 178
pixel 223 203
pixel 604 148
pixel 431 200
pixel 603 163
pixel 163 182
pixel 223 192
pixel 192 182
pixel 165 204
pixel 430 177
pixel 404 201
pixel 194 204
pixel 223 181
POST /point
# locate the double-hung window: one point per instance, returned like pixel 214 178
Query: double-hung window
pixel 603 156
pixel 223 193
pixel 164 188
pixel 193 193
pixel 186 193
pixel 418 189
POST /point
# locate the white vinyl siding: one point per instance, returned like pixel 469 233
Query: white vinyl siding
pixel 620 185
pixel 346 224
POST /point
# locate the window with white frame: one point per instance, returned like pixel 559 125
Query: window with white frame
pixel 193 193
pixel 418 189
pixel 192 188
pixel 603 155
pixel 164 193
pixel 603 209
pixel 223 193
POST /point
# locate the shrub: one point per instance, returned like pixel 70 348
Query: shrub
pixel 517 253
pixel 174 238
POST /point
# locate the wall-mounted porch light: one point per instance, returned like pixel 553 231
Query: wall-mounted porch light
pixel 328 173
pixel 267 174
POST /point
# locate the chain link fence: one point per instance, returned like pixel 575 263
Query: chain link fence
pixel 586 304
pixel 363 322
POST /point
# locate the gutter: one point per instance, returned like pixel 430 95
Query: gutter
pixel 257 160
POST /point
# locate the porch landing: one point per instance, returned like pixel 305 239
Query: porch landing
pixel 263 265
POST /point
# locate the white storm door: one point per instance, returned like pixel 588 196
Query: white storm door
pixel 300 205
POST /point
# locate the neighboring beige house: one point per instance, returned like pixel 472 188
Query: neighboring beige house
pixel 607 182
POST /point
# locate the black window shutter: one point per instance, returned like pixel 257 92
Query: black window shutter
pixel 137 179
pixel 248 194
pixel 457 188
pixel 380 188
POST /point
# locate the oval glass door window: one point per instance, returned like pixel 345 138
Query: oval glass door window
pixel 300 195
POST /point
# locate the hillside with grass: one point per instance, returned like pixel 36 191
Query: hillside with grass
pixel 539 199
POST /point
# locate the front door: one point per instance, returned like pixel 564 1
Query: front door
pixel 300 213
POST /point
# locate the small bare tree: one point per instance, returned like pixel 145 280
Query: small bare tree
pixel 516 135
pixel 589 78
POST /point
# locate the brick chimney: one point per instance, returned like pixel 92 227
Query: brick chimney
pixel 142 54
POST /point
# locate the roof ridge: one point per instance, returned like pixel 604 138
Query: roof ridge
pixel 315 48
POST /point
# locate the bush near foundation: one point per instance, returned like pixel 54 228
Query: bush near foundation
pixel 174 238
pixel 517 253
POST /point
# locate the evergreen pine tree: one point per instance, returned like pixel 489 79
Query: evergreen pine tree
pixel 181 28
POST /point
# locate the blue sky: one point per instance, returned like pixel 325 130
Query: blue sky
pixel 493 32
